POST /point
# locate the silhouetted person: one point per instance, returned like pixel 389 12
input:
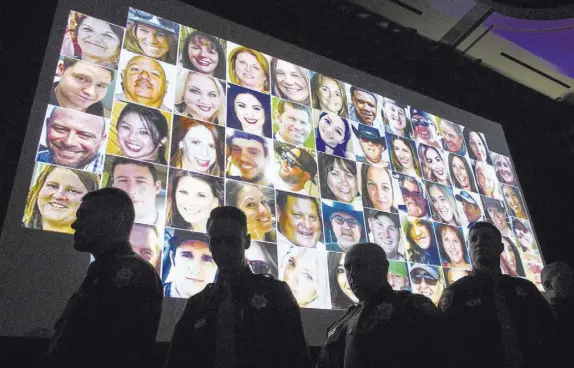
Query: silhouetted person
pixel 112 320
pixel 243 319
pixel 496 320
pixel 558 277
pixel 387 328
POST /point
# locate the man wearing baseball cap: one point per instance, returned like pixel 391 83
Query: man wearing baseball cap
pixel 470 208
pixel 374 332
pixel 398 276
pixel 297 170
pixel 374 146
pixel 497 320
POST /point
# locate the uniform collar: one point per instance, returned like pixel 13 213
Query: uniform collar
pixel 384 293
pixel 240 280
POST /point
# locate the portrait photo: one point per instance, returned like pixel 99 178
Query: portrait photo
pixel 83 87
pixel 290 82
pixel 333 135
pixel 433 164
pixel 461 173
pixel 414 198
pixel 73 139
pixel 190 199
pixel 200 97
pixel 469 207
pixel 93 40
pixel 248 68
pixel 443 204
pixel 55 195
pixel 198 146
pixel 146 241
pixel 397 118
pixel 143 181
pixel 510 261
pixel 364 107
pixel 486 180
pixel 452 246
pixel 496 214
pixel 151 36
pixel 139 132
pixel 202 53
pixel 306 273
pixel 342 297
pixel 370 145
pixel 299 220
pixel 292 123
pixel 514 201
pixel 403 155
pixel 533 268
pixel 146 81
pixel 398 276
pixel 523 231
pixel 504 169
pixel 425 128
pixel 344 225
pixel 477 148
pixel 258 204
pixel 296 169
pixel 452 137
pixel 249 158
pixel 427 280
pixel 339 179
pixel 380 189
pixel 187 263
pixel 420 238
pixel 454 274
pixel 262 258
pixel 249 111
pixel 329 95
pixel 384 229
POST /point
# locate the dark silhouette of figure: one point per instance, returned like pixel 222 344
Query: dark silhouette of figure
pixel 112 320
pixel 243 319
pixel 496 320
pixel 558 277
pixel 387 328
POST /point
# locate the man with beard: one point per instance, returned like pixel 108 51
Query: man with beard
pixel 373 146
pixel 416 204
pixel 364 108
pixel 299 220
pixel 344 226
pixel 497 320
pixel 243 319
pixel 385 231
pixel 73 139
pixel 372 333
pixel 112 320
pixel 144 82
pixel 297 170
pixel 250 156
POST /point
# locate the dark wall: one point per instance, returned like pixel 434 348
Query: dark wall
pixel 539 131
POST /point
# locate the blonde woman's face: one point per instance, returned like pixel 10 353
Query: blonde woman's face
pixel 300 275
pixel 292 84
pixel 330 96
pixel 201 96
pixel 249 72
pixel 97 40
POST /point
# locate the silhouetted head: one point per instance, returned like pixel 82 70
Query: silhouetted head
pixel 485 244
pixel 366 266
pixel 228 239
pixel 105 217
pixel 558 277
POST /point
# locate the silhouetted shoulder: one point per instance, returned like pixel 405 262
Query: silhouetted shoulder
pixel 130 270
pixel 462 283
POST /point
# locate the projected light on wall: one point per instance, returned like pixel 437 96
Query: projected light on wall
pixel 185 121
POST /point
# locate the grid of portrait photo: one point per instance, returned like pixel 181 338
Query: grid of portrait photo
pixel 185 121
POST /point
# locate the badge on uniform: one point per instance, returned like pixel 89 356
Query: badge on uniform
pixel 259 301
pixel 199 324
pixel 384 312
pixel 521 292
pixel 474 302
pixel 425 305
pixel 446 299
pixel 123 277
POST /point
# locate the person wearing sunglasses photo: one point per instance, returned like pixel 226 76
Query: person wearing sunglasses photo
pixel 374 332
pixel 297 170
pixel 427 281
pixel 425 129
pixel 344 226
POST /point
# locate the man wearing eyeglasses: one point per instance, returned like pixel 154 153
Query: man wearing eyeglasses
pixel 297 170
pixel 497 320
pixel 416 204
pixel 242 319
pixel 374 332
pixel 344 226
